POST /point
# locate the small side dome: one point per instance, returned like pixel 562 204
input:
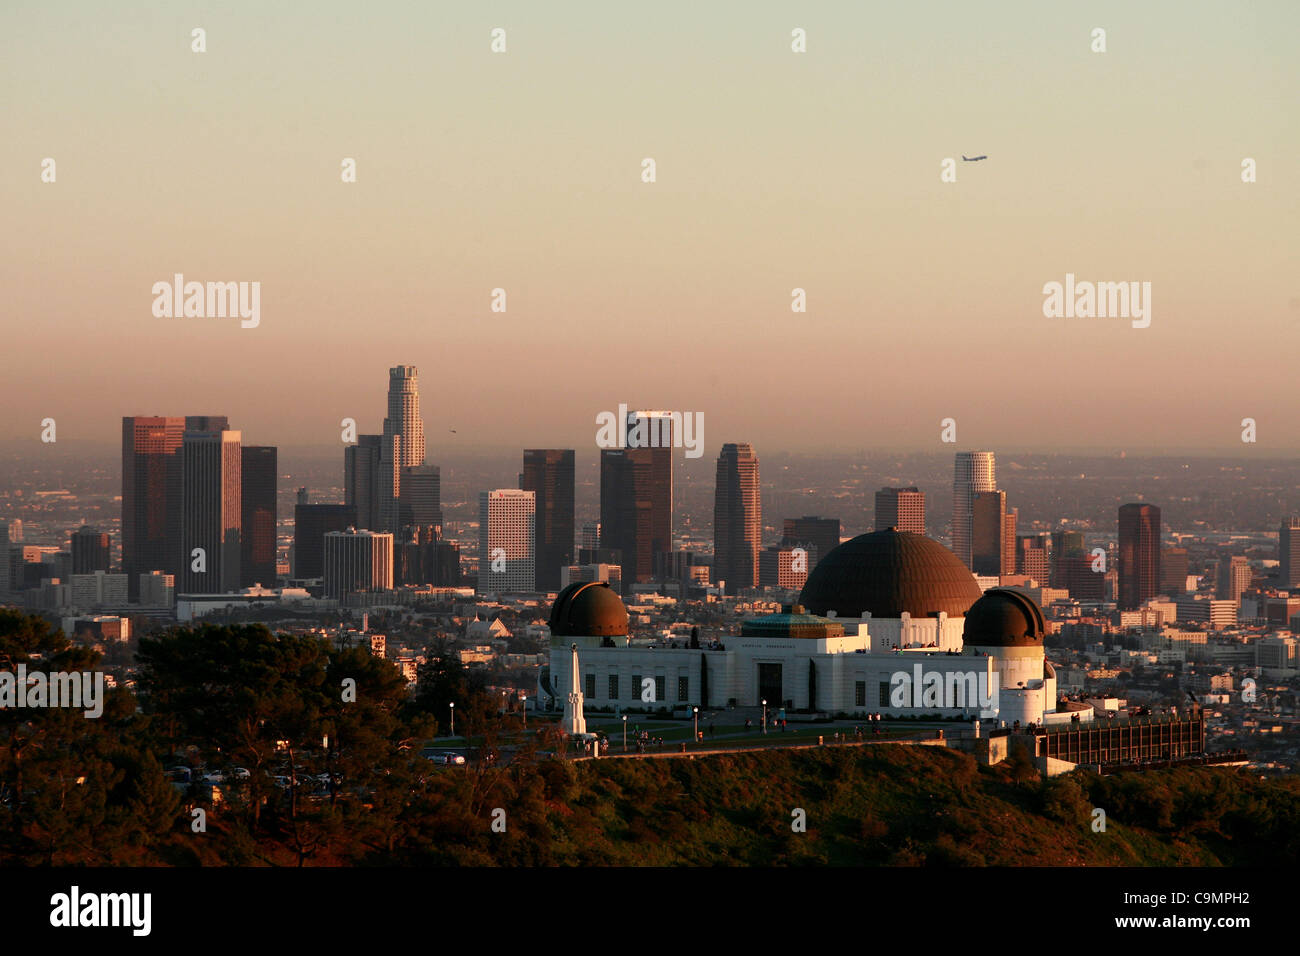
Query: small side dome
pixel 1004 618
pixel 588 609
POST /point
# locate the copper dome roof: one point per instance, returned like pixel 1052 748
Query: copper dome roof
pixel 889 572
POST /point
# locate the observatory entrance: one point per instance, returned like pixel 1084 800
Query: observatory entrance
pixel 770 684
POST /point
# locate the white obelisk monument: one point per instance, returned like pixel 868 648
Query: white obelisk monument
pixel 574 722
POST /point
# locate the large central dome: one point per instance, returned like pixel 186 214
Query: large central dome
pixel 889 572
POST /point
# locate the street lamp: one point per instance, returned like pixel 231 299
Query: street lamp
pixel 452 706
pixel 523 707
pixel 625 733
pixel 695 712
pixel 764 715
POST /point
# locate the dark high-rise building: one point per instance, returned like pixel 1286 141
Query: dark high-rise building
pixel 207 423
pixel 737 518
pixel 421 500
pixel 211 512
pixel 1074 572
pixel 90 550
pixel 310 525
pixel 549 474
pixel 1173 571
pixel 901 508
pixel 993 537
pixel 362 467
pixel 258 515
pixel 1065 544
pixel 636 497
pixel 1288 553
pixel 151 497
pixel 817 536
pixel 1139 555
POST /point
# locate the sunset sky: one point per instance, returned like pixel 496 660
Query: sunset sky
pixel 775 170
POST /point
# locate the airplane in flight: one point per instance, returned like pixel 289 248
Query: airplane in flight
pixel 973 159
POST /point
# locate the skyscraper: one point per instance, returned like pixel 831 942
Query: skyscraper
pixel 90 550
pixel 1139 555
pixel 361 478
pixel 357 562
pixel 1288 552
pixel 737 518
pixel 211 512
pixel 506 550
pixel 404 414
pixel 817 536
pixel 901 508
pixel 151 496
pixel 421 500
pixel 973 472
pixel 549 474
pixel 993 534
pixel 636 496
pixel 258 507
pixel 310 525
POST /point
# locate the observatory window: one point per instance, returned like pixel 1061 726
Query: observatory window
pixel 683 688
pixel 591 685
pixel 860 694
pixel 884 693
pixel 613 687
pixel 661 688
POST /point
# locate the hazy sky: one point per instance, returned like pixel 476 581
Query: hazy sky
pixel 775 170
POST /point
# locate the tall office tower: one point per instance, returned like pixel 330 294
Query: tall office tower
pixel 993 536
pixel 1139 555
pixel 357 562
pixel 15 530
pixel 361 478
pixel 737 518
pixel 207 423
pixel 151 496
pixel 973 472
pixel 506 549
pixel 1065 544
pixel 590 538
pixel 817 536
pixel 90 549
pixel 1234 578
pixel 901 508
pixel 549 474
pixel 421 501
pixel 1288 552
pixel 1032 557
pixel 404 414
pixel 258 513
pixel 636 495
pixel 310 525
pixel 1173 571
pixel 390 481
pixel 211 512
